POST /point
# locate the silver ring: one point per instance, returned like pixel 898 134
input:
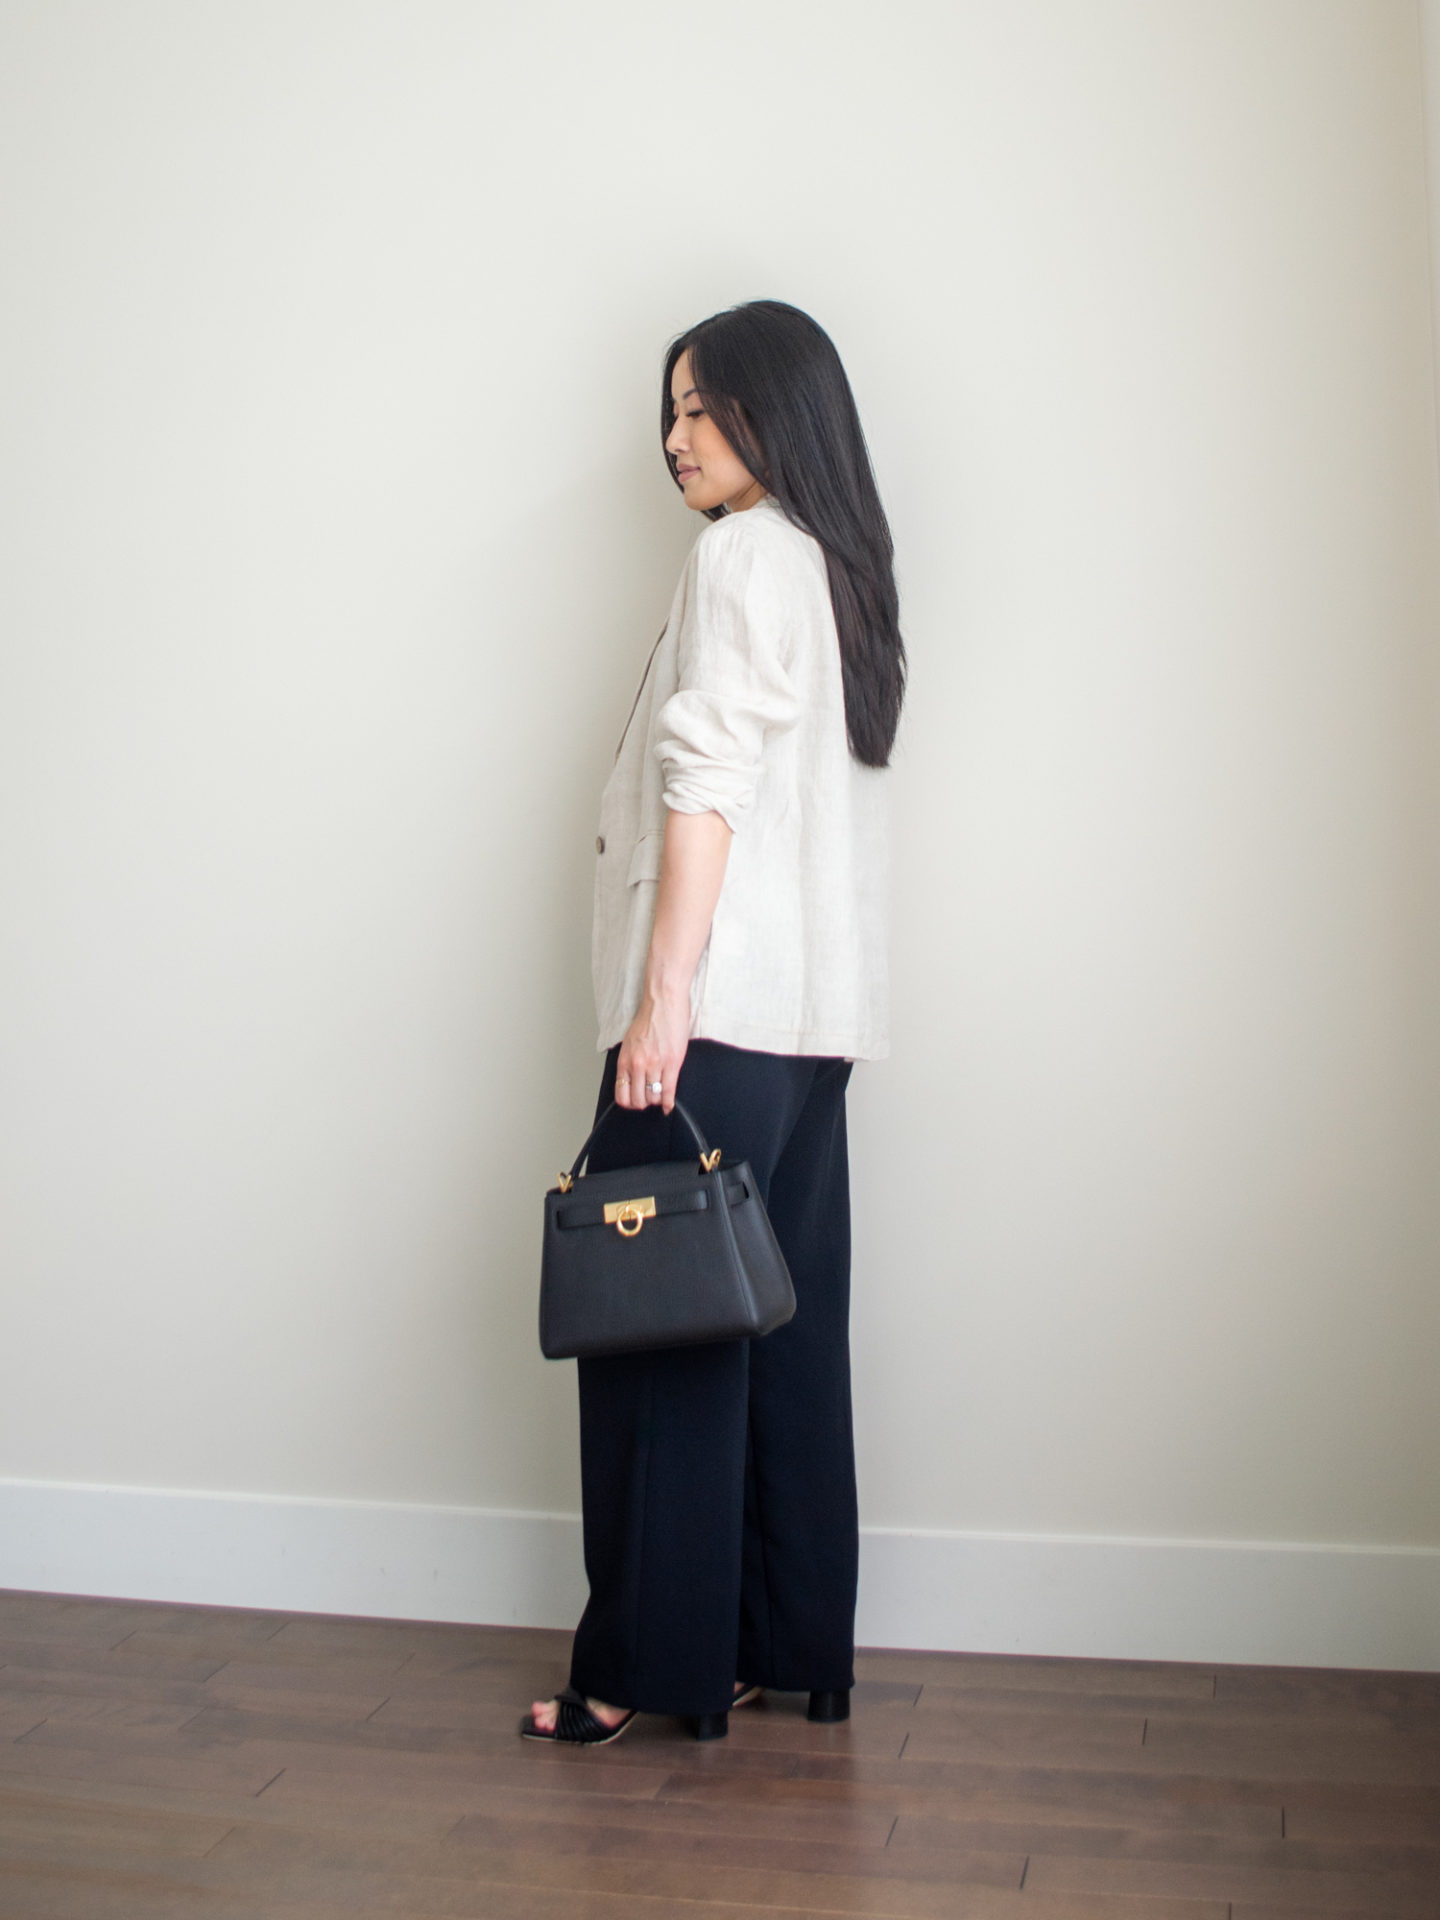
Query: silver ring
pixel 655 1086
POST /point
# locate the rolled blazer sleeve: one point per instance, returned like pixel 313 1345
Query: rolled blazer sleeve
pixel 734 693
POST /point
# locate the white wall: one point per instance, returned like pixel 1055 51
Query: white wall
pixel 337 534
pixel 1430 77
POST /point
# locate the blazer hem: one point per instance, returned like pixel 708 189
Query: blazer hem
pixel 759 1039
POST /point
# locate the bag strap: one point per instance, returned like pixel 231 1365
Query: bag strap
pixel 701 1144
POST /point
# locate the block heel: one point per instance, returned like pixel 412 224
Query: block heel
pixel 711 1726
pixel 829 1707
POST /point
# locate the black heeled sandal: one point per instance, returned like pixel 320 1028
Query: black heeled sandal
pixel 575 1725
pixel 829 1707
pixel 715 1726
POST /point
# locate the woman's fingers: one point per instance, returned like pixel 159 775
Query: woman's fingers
pixel 633 1082
pixel 650 1084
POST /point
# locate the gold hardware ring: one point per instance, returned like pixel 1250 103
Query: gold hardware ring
pixel 628 1215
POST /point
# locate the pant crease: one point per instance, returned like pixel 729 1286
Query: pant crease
pixel 769 1633
pixel 639 1615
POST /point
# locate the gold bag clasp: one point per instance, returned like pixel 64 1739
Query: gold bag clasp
pixel 627 1215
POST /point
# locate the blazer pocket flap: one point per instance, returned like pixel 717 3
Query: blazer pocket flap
pixel 645 861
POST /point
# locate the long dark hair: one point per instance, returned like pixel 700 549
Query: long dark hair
pixel 772 382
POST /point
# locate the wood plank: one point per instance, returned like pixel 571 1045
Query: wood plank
pixel 1055 1805
pixel 104 1897
pixel 510 1903
pixel 938 1703
pixel 290 1854
pixel 212 1639
pixel 1251 1910
pixel 252 1623
pixel 342 1818
pixel 1088 1784
pixel 490 1730
pixel 1321 1689
pixel 1302 1750
pixel 642 1839
pixel 122 1761
pixel 374 1675
pixel 1337 1719
pixel 492 1646
pixel 1243 1718
pixel 304 1635
pixel 452 1698
pixel 303 1796
pixel 1392 1895
pixel 32 1821
pixel 302 1705
pixel 1409 1865
pixel 38 1891
pixel 1043 1673
pixel 67 1616
pixel 530 1810
pixel 1077 1740
pixel 57 1617
pixel 1376 1824
pixel 18 1716
pixel 1345 1796
pixel 92 1656
pixel 99 1682
pixel 114 1714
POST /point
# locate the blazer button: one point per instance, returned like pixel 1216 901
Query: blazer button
pixel 599 843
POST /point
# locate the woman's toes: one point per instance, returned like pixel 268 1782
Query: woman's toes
pixel 545 1712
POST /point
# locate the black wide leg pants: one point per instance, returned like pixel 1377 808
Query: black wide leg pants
pixel 718 1482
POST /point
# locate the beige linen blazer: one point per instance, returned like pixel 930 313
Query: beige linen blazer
pixel 741 711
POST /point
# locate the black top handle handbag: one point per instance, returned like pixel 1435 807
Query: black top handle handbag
pixel 676 1254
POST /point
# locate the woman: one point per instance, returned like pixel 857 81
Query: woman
pixel 739 962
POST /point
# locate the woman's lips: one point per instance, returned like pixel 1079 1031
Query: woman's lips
pixel 684 473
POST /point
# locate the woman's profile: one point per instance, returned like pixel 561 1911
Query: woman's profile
pixel 739 965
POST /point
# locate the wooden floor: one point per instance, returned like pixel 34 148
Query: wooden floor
pixel 186 1761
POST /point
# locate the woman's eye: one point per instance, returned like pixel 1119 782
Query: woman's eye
pixel 694 413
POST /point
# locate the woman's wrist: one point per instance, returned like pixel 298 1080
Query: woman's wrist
pixel 666 986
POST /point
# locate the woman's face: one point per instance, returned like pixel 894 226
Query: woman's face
pixel 711 473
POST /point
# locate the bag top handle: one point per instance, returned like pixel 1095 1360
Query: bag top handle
pixel 702 1145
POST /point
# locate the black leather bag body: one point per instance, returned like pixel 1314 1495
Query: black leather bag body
pixel 679 1253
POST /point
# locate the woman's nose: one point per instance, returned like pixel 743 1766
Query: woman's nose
pixel 675 439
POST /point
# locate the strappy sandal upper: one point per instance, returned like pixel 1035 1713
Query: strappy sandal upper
pixel 575 1725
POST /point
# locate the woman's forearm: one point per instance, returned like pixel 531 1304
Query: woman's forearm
pixel 692 868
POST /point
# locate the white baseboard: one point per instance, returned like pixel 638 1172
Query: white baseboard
pixel 1240 1601
pixel 1203 1600
pixel 392 1561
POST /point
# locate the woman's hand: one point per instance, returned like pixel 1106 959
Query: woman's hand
pixel 653 1051
pixel 692 867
